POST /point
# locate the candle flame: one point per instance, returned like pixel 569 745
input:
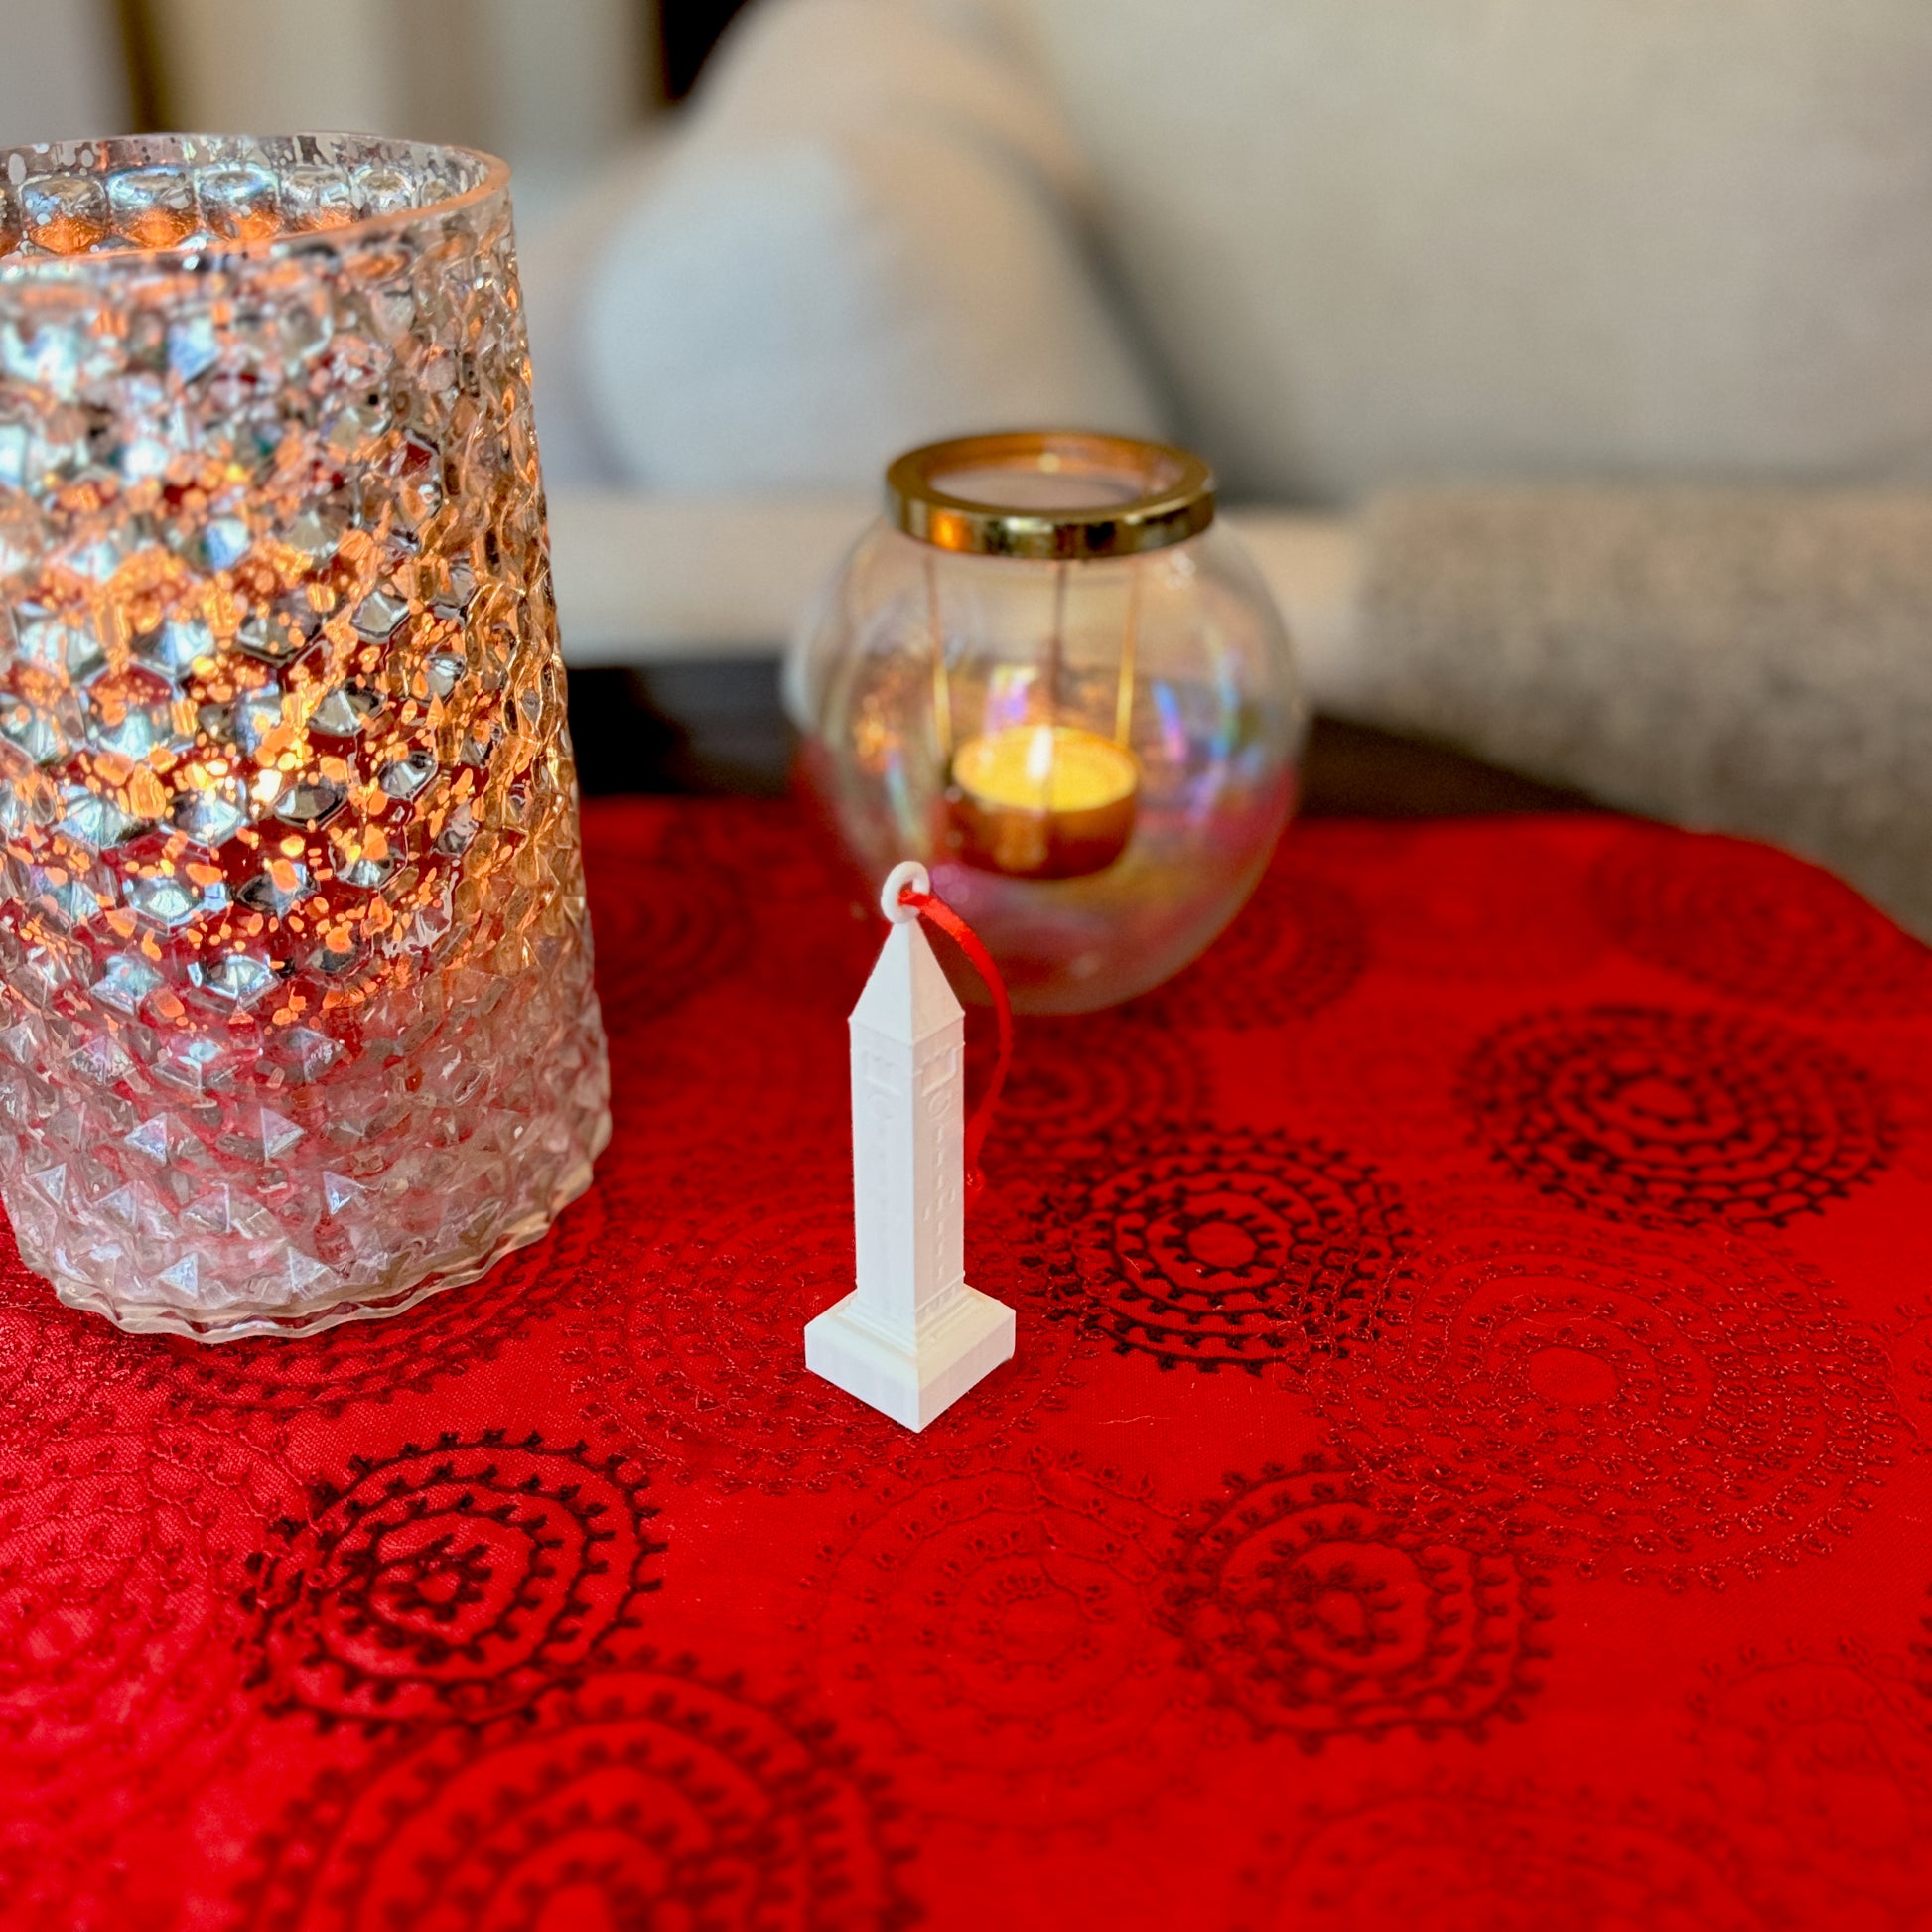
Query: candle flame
pixel 1049 801
pixel 1040 760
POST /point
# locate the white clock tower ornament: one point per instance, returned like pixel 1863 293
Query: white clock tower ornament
pixel 911 1338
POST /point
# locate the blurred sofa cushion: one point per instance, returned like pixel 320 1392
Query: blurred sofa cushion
pixel 1744 660
pixel 864 241
pixel 1420 238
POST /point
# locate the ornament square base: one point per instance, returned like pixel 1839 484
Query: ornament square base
pixel 911 1385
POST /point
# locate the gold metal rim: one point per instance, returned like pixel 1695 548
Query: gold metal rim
pixel 1178 502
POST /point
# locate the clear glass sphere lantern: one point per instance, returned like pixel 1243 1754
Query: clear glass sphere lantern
pixel 1047 673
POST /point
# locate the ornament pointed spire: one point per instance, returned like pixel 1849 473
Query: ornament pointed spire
pixel 911 1338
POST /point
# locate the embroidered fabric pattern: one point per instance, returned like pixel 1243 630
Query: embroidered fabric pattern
pixel 1231 1250
pixel 1662 1408
pixel 1683 1117
pixel 646 1795
pixel 1743 921
pixel 1544 1550
pixel 461 1579
pixel 1320 1613
pixel 1299 944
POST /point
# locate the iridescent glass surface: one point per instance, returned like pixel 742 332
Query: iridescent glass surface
pixel 1158 646
pixel 298 1022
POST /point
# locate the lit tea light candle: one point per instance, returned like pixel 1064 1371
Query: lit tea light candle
pixel 1043 801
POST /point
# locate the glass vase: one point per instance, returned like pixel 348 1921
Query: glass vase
pixel 297 1019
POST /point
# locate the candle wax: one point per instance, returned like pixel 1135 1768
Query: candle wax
pixel 1043 801
pixel 1045 767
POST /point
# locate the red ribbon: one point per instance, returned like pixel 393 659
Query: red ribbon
pixel 930 905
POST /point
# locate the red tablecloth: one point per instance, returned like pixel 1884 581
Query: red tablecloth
pixel 1462 1466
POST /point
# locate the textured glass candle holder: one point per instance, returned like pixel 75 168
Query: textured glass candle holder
pixel 298 1021
pixel 1050 675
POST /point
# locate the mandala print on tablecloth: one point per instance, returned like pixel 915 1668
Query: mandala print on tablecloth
pixel 1299 946
pixel 1078 1085
pixel 1317 1612
pixel 1659 1406
pixel 1820 1767
pixel 1905 1053
pixel 1237 1251
pixel 121 1570
pixel 759 845
pixel 1758 924
pixel 648 1796
pixel 1688 1117
pixel 1453 914
pixel 996 1634
pixel 814 923
pixel 718 1091
pixel 697 1355
pixel 664 928
pixel 59 1367
pixel 1383 1085
pixel 456 1580
pixel 1468 1858
pixel 1907 1334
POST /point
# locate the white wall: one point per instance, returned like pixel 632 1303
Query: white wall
pixel 277 65
pixel 60 71
pixel 550 84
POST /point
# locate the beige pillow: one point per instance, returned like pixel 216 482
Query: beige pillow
pixel 1382 239
pixel 863 241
